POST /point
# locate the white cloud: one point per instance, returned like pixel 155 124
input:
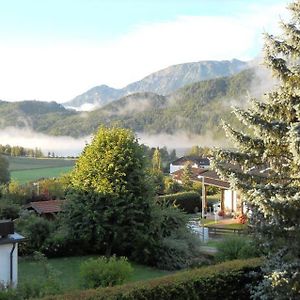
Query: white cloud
pixel 63 70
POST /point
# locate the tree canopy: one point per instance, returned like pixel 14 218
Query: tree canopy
pixel 109 195
pixel 4 172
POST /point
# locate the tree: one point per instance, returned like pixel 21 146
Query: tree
pixel 109 198
pixel 156 161
pixel 156 172
pixel 265 166
pixel 4 172
pixel 187 176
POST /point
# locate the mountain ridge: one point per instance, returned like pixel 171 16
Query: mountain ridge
pixel 163 82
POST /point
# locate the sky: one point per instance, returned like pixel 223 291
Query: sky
pixel 54 50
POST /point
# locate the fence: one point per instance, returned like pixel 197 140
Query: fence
pixel 219 231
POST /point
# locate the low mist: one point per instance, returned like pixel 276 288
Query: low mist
pixel 60 145
pixel 69 146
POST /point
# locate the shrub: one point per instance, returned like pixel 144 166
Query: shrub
pixel 9 211
pixel 172 186
pixel 228 280
pixel 188 201
pixel 36 230
pixel 235 248
pixel 104 271
pixel 169 243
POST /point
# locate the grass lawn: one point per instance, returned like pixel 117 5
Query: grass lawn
pixel 23 176
pixel 25 169
pixel 68 269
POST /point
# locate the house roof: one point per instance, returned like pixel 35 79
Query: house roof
pixel 195 173
pixel 201 161
pixel 47 207
pixel 12 239
pixel 210 177
pixel 213 179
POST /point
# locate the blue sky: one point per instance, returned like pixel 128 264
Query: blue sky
pixel 55 50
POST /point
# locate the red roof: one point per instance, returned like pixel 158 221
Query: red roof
pixel 47 207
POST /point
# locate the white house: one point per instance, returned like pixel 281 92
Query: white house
pixel 9 254
pixel 195 161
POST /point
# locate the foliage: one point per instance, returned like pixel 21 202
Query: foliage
pixel 236 247
pixel 265 166
pixel 224 280
pixel 190 202
pixel 16 193
pixel 171 186
pixel 104 271
pixel 169 244
pixel 53 188
pixel 9 211
pixel 186 178
pixel 199 151
pixel 36 230
pixel 158 181
pixel 109 197
pixel 4 173
pixel 20 151
pixel 156 161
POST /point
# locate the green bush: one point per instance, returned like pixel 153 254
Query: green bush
pixel 104 271
pixel 190 202
pixel 236 247
pixel 9 211
pixel 169 244
pixel 36 230
pixel 228 280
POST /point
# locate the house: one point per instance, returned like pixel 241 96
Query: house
pixel 195 161
pixel 9 240
pixel 47 209
pixel 231 201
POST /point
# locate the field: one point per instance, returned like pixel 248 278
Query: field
pixel 24 169
pixel 68 271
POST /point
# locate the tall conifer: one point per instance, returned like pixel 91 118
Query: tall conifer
pixel 266 163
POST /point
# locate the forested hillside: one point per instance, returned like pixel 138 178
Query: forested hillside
pixel 196 108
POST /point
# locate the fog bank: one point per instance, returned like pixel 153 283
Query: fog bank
pixel 60 145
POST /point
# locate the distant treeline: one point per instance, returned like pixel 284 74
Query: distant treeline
pixel 20 151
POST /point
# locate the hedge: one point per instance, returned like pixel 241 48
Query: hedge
pixel 188 201
pixel 228 280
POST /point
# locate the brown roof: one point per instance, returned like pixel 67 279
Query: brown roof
pixel 47 207
pixel 200 161
pixel 210 177
pixel 196 172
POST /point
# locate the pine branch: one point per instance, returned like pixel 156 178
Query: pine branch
pixel 243 141
pixel 260 126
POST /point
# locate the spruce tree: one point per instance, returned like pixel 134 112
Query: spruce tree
pixel 266 164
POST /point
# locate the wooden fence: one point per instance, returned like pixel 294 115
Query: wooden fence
pixel 219 231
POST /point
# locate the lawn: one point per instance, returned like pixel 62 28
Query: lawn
pixel 68 271
pixel 24 169
pixel 24 176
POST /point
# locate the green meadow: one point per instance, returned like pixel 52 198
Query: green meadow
pixel 24 169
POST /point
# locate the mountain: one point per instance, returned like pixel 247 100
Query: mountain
pixel 37 115
pixel 194 109
pixel 163 82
